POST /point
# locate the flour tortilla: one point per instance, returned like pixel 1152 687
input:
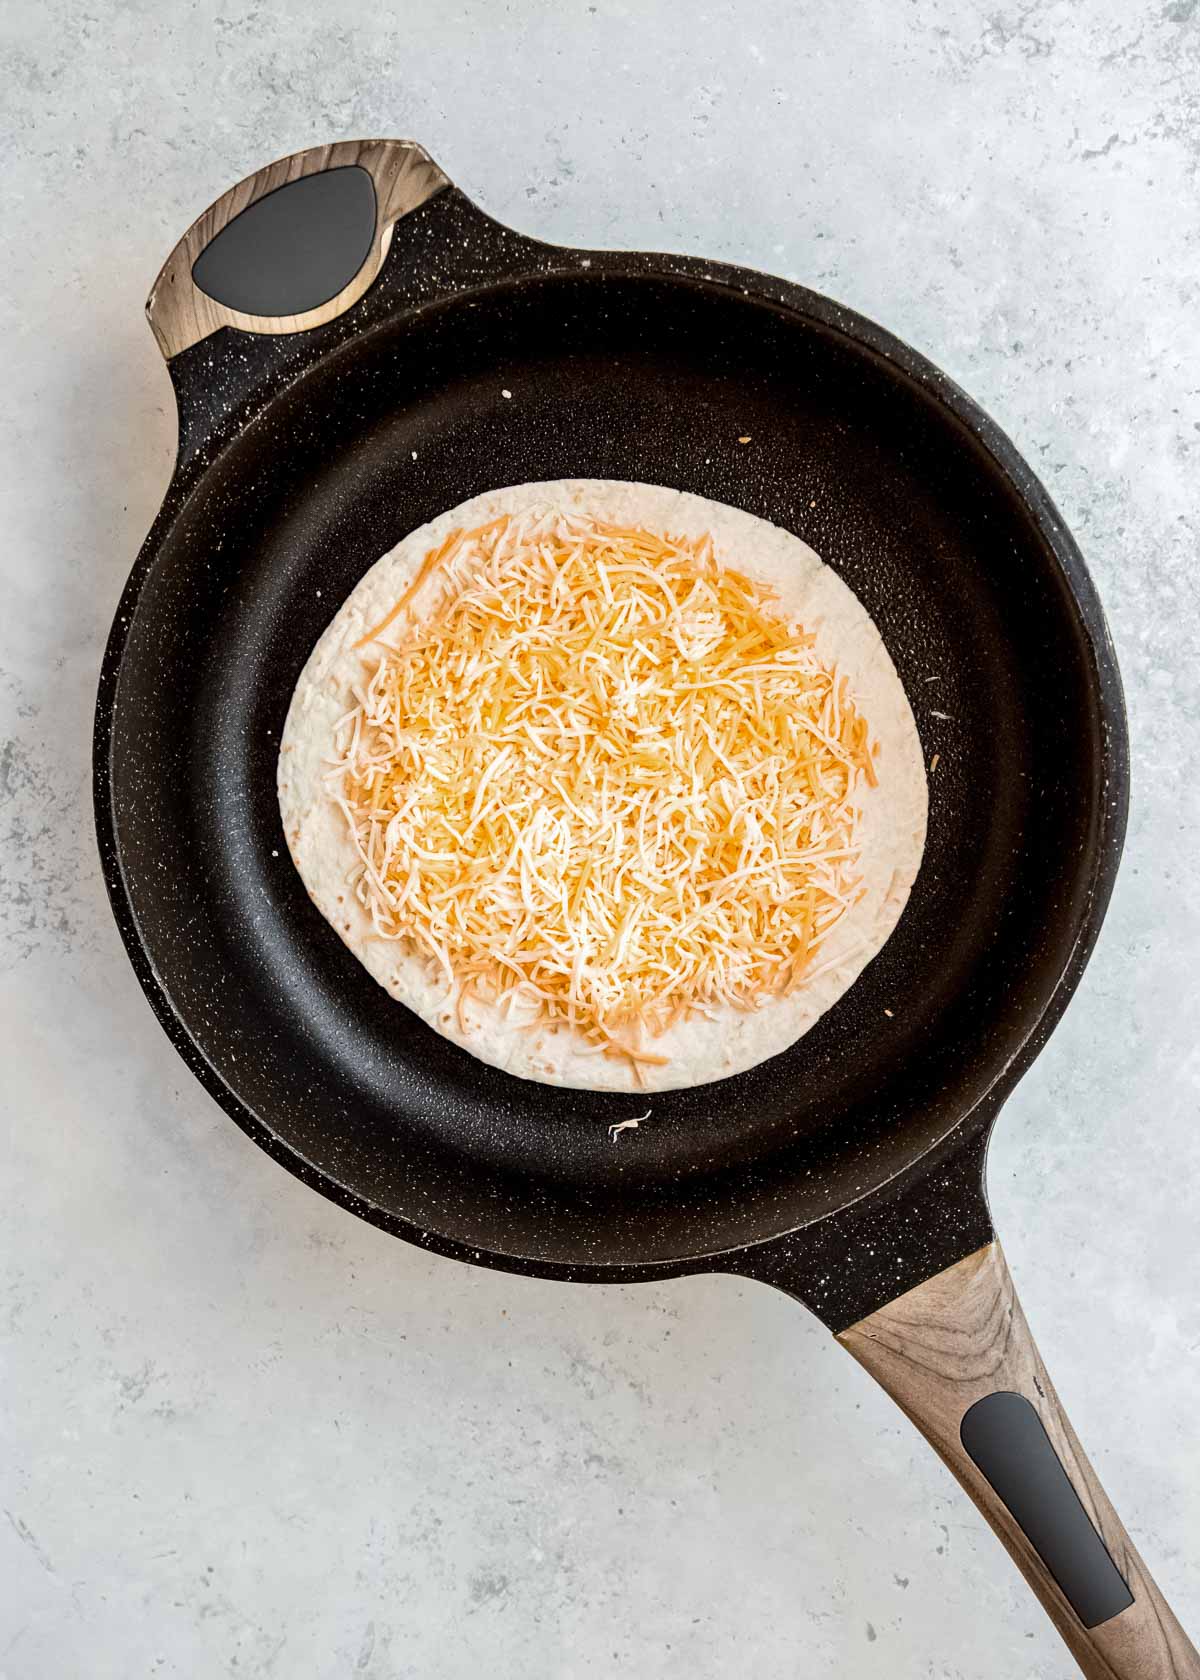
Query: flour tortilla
pixel 726 1040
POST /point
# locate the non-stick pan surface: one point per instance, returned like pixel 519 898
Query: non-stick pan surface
pixel 461 357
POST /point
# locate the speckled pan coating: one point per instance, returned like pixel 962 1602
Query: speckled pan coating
pixel 846 1170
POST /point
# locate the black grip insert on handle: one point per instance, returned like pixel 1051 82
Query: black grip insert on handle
pixel 295 248
pixel 1008 1443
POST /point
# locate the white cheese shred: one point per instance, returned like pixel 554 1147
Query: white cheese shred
pixel 626 1125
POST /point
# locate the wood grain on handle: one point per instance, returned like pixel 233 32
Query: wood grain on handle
pixel 404 176
pixel 958 1338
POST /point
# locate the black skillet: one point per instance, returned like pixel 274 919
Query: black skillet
pixel 343 353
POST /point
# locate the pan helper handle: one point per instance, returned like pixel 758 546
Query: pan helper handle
pixel 957 1356
pixel 292 246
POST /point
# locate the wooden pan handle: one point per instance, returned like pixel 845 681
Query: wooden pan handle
pixel 956 1355
pixel 318 247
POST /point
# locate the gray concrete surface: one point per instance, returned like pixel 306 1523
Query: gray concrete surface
pixel 244 1434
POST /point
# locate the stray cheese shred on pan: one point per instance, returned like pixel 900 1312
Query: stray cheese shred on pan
pixel 600 778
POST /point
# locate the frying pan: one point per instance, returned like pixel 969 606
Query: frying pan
pixel 355 347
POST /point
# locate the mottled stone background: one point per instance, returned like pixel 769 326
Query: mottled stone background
pixel 244 1434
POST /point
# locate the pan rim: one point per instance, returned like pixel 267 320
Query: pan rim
pixel 1111 815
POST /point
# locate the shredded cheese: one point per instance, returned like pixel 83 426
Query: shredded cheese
pixel 602 781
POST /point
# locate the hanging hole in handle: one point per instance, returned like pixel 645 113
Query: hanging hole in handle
pixel 294 249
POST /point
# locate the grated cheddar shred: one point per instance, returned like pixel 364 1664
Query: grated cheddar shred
pixel 602 781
